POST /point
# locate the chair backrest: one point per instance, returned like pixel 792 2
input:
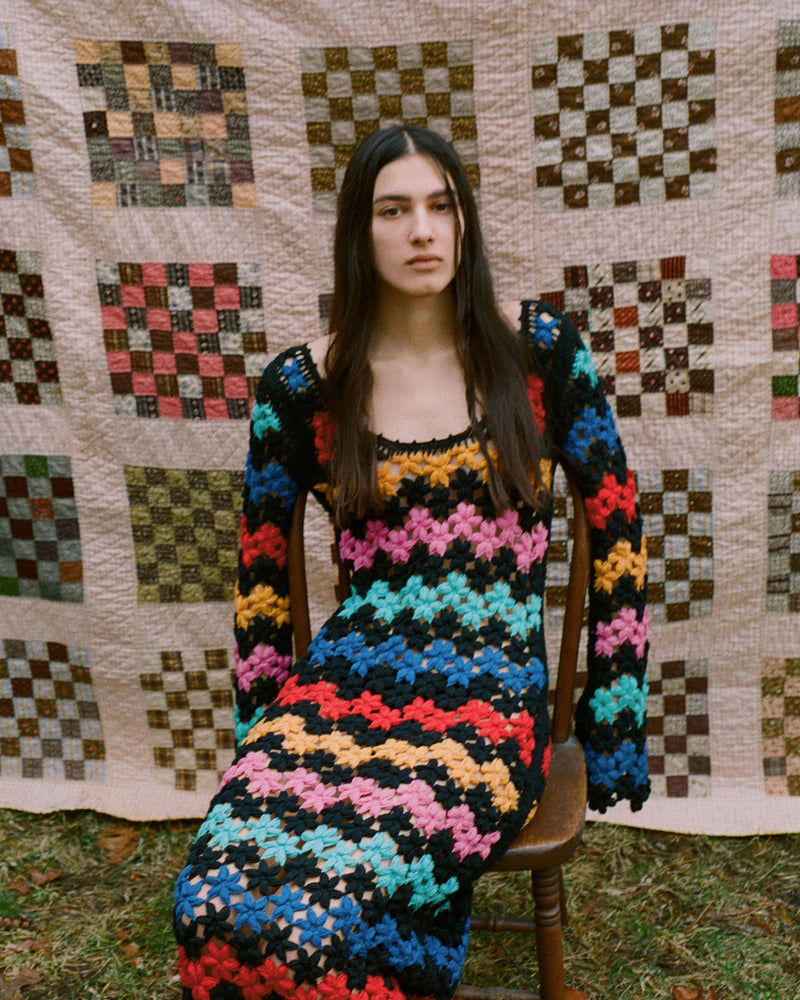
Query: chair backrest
pixel 573 613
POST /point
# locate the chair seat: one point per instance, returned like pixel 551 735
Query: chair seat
pixel 554 831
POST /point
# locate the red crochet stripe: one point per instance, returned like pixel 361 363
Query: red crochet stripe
pixel 324 436
pixel 218 964
pixel 370 705
pixel 267 541
pixel 535 393
pixel 612 496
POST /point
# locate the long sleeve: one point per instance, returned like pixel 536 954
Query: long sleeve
pixel 610 716
pixel 277 459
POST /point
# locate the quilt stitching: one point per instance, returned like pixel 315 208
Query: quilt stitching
pixel 624 117
pixel 348 92
pixel 166 123
pixel 40 546
pixel 49 719
pixel 183 340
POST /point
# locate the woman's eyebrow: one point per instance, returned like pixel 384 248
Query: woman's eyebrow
pixel 407 198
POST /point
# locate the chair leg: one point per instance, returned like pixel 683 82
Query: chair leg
pixel 546 886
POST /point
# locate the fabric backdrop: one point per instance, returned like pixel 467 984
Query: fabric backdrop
pixel 168 173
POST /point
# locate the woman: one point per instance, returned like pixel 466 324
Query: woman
pixel 378 776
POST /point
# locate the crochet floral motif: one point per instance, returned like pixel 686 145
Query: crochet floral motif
pixel 379 775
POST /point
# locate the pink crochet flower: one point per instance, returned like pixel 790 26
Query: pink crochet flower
pixel 465 520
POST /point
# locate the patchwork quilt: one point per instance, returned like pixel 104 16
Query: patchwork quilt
pixel 168 182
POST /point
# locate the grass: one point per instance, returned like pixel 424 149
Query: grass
pixel 649 912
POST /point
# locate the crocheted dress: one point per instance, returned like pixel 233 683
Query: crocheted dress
pixel 377 777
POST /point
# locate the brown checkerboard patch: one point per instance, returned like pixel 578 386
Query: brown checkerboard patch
pixel 780 725
pixel 649 326
pixel 677 513
pixel 348 92
pixel 624 117
pixel 787 109
pixel 783 540
pixel 678 742
pixel 16 162
pixel 49 719
pixel 28 367
pixel 189 703
pixel 185 532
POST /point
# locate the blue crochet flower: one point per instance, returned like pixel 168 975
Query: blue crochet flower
pixel 272 480
pixel 294 376
pixel 187 902
pixel 251 912
pixel 591 427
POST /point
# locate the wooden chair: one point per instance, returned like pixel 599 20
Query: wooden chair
pixel 554 831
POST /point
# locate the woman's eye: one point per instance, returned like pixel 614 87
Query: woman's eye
pixel 443 206
pixel 390 212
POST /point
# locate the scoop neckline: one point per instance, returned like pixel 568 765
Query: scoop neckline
pixel 385 443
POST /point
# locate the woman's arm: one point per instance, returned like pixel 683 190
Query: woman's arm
pixel 262 626
pixel 610 717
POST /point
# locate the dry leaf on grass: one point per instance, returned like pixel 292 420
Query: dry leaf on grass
pixel 42 878
pixel 10 988
pixel 20 886
pixel 118 843
pixel 690 993
pixel 29 944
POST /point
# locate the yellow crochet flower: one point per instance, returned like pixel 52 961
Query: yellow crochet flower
pixel 621 560
pixel 262 600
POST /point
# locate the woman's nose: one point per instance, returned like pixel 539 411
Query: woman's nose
pixel 421 229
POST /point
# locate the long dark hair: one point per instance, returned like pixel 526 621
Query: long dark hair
pixel 492 356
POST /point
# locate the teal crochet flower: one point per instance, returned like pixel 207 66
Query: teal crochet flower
pixel 264 419
pixel 583 365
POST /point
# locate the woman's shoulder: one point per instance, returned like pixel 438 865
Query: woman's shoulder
pixel 540 323
pixel 307 358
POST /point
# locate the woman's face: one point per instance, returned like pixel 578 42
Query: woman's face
pixel 415 242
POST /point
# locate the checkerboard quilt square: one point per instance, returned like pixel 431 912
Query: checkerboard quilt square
pixel 783 540
pixel 348 92
pixel 166 123
pixel 183 340
pixel 49 720
pixel 780 725
pixel 28 365
pixel 189 703
pixel 16 162
pixel 185 532
pixel 40 546
pixel 624 117
pixel 787 109
pixel 785 294
pixel 678 741
pixel 678 522
pixel 650 330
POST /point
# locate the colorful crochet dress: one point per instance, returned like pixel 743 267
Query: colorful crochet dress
pixel 380 775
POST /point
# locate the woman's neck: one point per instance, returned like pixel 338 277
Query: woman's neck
pixel 405 325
